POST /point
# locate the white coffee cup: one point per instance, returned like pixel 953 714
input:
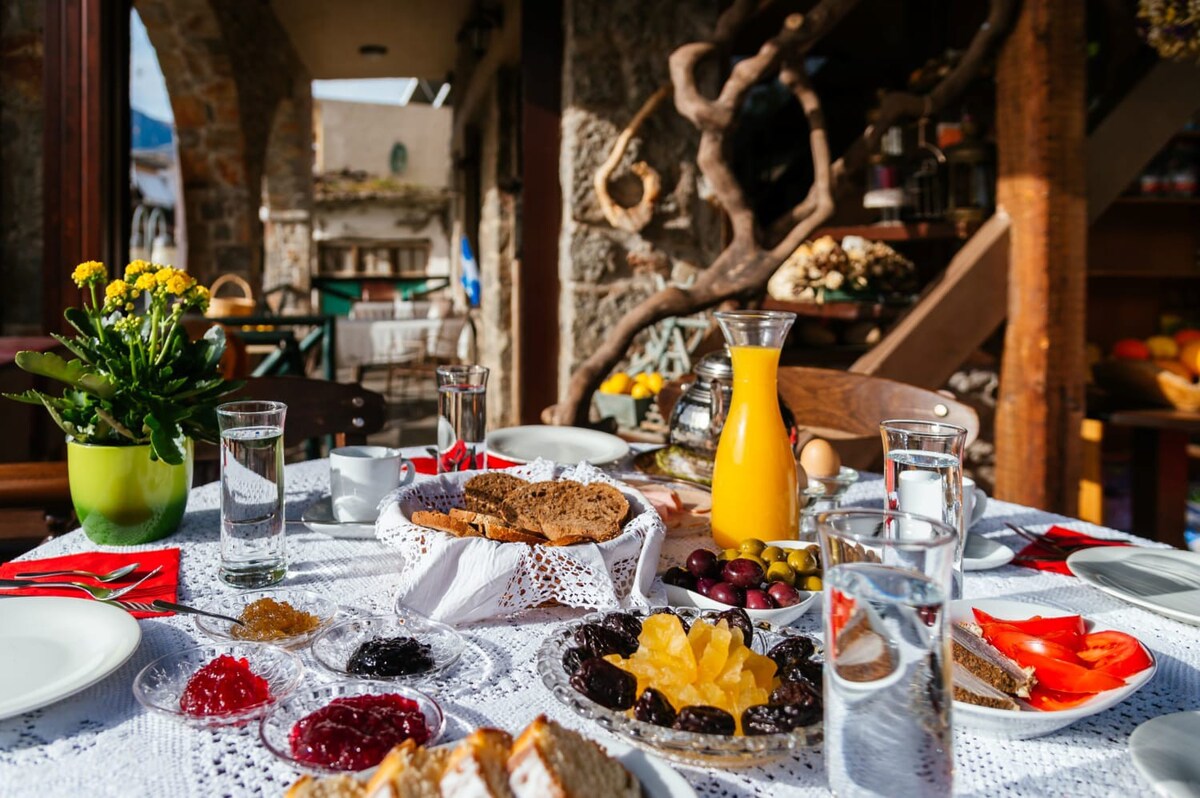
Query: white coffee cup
pixel 359 478
pixel 974 501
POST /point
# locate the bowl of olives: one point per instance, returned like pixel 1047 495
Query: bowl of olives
pixel 775 581
pixel 624 671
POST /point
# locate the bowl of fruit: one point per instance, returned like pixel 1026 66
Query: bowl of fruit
pixel 775 581
pixel 695 686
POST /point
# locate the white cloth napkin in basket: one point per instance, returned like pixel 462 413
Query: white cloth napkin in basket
pixel 460 580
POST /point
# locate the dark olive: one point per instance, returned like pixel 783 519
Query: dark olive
pixel 777 718
pixel 679 577
pixel 793 649
pixel 605 683
pixel 574 657
pixel 653 707
pixel 624 623
pixel 801 694
pixel 738 619
pixel 705 720
pixel 601 640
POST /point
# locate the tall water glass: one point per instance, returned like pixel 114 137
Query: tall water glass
pixel 887 653
pixel 462 417
pixel 253 547
pixel 922 474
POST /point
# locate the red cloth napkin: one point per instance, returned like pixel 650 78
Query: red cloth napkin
pixel 428 465
pixel 1042 558
pixel 163 585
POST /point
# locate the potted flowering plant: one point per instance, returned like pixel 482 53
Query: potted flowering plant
pixel 138 392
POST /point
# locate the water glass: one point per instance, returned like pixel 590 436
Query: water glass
pixel 462 418
pixel 887 653
pixel 253 551
pixel 922 474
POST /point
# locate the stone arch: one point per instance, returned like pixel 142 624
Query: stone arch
pixel 287 196
pixel 220 211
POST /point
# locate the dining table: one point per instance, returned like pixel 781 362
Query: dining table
pixel 101 742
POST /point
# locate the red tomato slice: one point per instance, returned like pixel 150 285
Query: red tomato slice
pixel 1065 630
pixel 1067 677
pixel 1013 644
pixel 1053 700
pixel 841 607
pixel 1114 653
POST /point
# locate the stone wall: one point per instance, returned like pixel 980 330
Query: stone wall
pixel 615 57
pixel 21 29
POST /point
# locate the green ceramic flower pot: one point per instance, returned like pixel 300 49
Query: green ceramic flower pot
pixel 122 497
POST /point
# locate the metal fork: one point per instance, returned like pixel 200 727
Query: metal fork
pixel 99 593
pixel 158 605
pixel 1043 541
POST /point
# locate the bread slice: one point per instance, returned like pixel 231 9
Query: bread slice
pixel 435 520
pixel 569 540
pixel 409 771
pixel 485 493
pixel 593 511
pixel 550 761
pixel 522 507
pixel 970 689
pixel 974 655
pixel 340 786
pixel 477 767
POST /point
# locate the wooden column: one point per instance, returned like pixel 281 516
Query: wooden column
pixel 85 145
pixel 1041 130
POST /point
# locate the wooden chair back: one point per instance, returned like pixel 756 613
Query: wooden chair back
pixel 347 412
pixel 845 408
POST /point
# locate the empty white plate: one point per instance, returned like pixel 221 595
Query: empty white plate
pixel 319 518
pixel 983 554
pixel 56 646
pixel 1164 752
pixel 1166 581
pixel 565 445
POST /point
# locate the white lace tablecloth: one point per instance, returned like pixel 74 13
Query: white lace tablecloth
pixel 102 743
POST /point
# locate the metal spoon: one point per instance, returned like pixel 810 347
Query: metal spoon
pixel 111 576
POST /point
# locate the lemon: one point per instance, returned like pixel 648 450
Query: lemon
pixel 781 572
pixel 640 391
pixel 620 382
pixel 641 379
pixel 655 382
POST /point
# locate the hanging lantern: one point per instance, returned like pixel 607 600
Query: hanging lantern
pixel 971 178
pixel 927 182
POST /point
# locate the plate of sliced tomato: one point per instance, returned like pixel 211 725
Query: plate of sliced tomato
pixel 1082 667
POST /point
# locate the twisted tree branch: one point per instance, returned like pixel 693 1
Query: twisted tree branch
pixel 635 218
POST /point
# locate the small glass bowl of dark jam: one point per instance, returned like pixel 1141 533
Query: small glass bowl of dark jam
pixel 225 682
pixel 387 647
pixel 348 725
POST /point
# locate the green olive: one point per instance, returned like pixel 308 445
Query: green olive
pixel 729 554
pixel 773 554
pixel 752 546
pixel 802 561
pixel 781 572
pixel 812 583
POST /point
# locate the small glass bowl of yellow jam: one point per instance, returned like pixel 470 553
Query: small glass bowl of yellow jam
pixel 287 618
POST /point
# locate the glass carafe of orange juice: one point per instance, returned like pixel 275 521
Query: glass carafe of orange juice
pixel 754 477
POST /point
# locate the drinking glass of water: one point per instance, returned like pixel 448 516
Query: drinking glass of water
pixel 462 418
pixel 922 474
pixel 253 550
pixel 887 653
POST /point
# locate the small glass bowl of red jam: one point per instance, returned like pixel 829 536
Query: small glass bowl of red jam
pixel 349 726
pixel 218 685
pixel 282 617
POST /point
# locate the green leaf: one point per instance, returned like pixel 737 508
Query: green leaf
pixel 77 347
pixel 214 337
pixel 109 419
pixel 29 397
pixel 73 372
pixel 81 321
pixel 164 439
pixel 63 424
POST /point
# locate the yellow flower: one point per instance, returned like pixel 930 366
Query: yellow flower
pixel 164 274
pixel 116 290
pixel 89 273
pixel 146 282
pixel 135 268
pixel 197 297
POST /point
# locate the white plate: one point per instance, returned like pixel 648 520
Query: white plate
pixel 1166 581
pixel 1164 752
pixel 565 445
pixel 659 780
pixel 55 646
pixel 1029 722
pixel 983 554
pixel 319 518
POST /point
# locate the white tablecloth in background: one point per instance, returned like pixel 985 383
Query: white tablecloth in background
pixel 102 743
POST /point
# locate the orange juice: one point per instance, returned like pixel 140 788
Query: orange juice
pixel 754 478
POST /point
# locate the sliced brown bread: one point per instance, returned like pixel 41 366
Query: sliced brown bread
pixel 495 528
pixel 341 786
pixel 522 507
pixel 409 771
pixel 446 523
pixel 485 493
pixel 477 767
pixel 592 511
pixel 551 761
pixel 975 656
pixel 569 540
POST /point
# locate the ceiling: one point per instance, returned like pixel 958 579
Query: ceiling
pixel 419 36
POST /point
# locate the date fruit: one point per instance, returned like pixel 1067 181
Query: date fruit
pixel 777 718
pixel 705 720
pixel 738 619
pixel 800 694
pixel 605 683
pixel 794 649
pixel 653 707
pixel 574 657
pixel 624 623
pixel 601 640
pixel 803 671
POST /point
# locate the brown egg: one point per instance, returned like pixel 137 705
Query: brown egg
pixel 819 459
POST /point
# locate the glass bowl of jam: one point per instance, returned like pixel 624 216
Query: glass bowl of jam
pixel 282 617
pixel 218 685
pixel 349 726
pixel 387 647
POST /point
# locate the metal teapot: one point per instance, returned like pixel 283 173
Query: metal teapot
pixel 699 415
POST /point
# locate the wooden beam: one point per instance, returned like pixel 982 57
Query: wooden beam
pixel 1040 132
pixel 953 318
pixel 504 48
pixel 1137 129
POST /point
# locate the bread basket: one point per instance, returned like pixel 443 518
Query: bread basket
pixel 224 306
pixel 461 580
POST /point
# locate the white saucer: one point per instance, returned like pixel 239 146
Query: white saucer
pixel 1164 753
pixel 984 554
pixel 318 517
pixel 565 445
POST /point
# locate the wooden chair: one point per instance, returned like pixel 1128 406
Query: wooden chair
pixel 845 408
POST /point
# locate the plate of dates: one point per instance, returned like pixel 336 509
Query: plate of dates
pixel 685 684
